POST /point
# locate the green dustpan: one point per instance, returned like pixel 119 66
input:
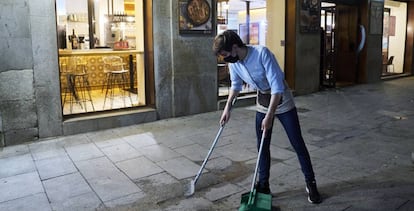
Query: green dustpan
pixel 253 201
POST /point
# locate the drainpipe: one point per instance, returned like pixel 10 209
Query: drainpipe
pixel 1 132
pixel 248 21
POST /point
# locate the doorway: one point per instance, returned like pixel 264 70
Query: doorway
pixel 237 15
pixel 393 40
pixel 339 56
pixel 327 77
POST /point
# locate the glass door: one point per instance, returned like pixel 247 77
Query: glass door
pixel 327 71
pixel 394 37
pixel 236 15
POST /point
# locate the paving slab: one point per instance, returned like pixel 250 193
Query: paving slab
pixel 280 153
pixel 196 204
pixel 48 153
pixel 102 136
pixel 109 142
pixel 139 167
pixel 20 186
pixel 129 130
pixel 84 152
pixel 85 202
pixel 15 165
pixel 125 200
pixel 207 137
pixel 381 204
pixel 35 202
pixel 158 153
pixel 229 203
pixel 175 142
pixel 73 140
pixel 340 170
pixel 196 152
pixel 62 188
pixel 219 163
pixel 55 166
pixel 221 191
pixel 140 140
pixel 161 187
pixel 106 179
pixel 180 167
pixel 359 138
pixel 408 206
pixel 47 149
pixel 293 180
pixel 120 152
pixel 236 152
pixel 279 169
pixel 12 151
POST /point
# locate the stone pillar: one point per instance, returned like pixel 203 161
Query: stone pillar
pixel 184 66
pixel 45 67
pixel 302 53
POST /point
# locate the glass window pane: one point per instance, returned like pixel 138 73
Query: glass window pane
pixel 101 61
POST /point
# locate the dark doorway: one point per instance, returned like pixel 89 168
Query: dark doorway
pixel 346 44
pixel 339 56
pixel 327 71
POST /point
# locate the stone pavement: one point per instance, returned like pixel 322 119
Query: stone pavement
pixel 361 141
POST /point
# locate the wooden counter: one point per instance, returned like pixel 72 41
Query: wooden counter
pixel 94 63
pixel 97 52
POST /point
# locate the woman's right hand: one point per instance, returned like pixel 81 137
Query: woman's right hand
pixel 225 117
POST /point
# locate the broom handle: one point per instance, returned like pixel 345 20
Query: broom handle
pixel 209 153
pixel 258 159
pixel 213 145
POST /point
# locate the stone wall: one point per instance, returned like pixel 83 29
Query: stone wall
pixel 307 59
pixel 30 103
pixel 373 50
pixel 45 67
pixel 17 101
pixel 185 68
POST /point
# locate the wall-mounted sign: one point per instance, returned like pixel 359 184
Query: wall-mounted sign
pixel 310 16
pixel 196 17
pixel 376 17
pixel 391 26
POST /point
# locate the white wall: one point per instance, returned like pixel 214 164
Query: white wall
pixel 397 42
pixel 272 26
pixel 276 29
pixel 256 16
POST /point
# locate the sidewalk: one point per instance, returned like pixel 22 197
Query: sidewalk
pixel 360 138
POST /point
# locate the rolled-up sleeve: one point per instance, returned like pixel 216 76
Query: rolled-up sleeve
pixel 236 81
pixel 274 73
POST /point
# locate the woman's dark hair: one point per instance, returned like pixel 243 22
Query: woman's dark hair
pixel 225 41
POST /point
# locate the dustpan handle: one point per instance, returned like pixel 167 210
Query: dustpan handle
pixel 258 159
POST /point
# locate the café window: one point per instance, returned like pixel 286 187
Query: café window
pixel 101 54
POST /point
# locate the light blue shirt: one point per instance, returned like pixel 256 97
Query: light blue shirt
pixel 259 69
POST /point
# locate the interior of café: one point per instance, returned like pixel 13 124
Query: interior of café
pixel 101 55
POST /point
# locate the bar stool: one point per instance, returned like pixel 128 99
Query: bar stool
pixel 116 78
pixel 78 84
pixel 81 82
pixel 66 69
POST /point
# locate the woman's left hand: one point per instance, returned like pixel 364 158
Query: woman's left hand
pixel 267 122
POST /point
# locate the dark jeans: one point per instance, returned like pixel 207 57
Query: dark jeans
pixel 290 123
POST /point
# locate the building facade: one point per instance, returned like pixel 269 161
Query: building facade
pixel 180 72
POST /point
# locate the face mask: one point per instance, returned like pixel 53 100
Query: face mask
pixel 231 59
